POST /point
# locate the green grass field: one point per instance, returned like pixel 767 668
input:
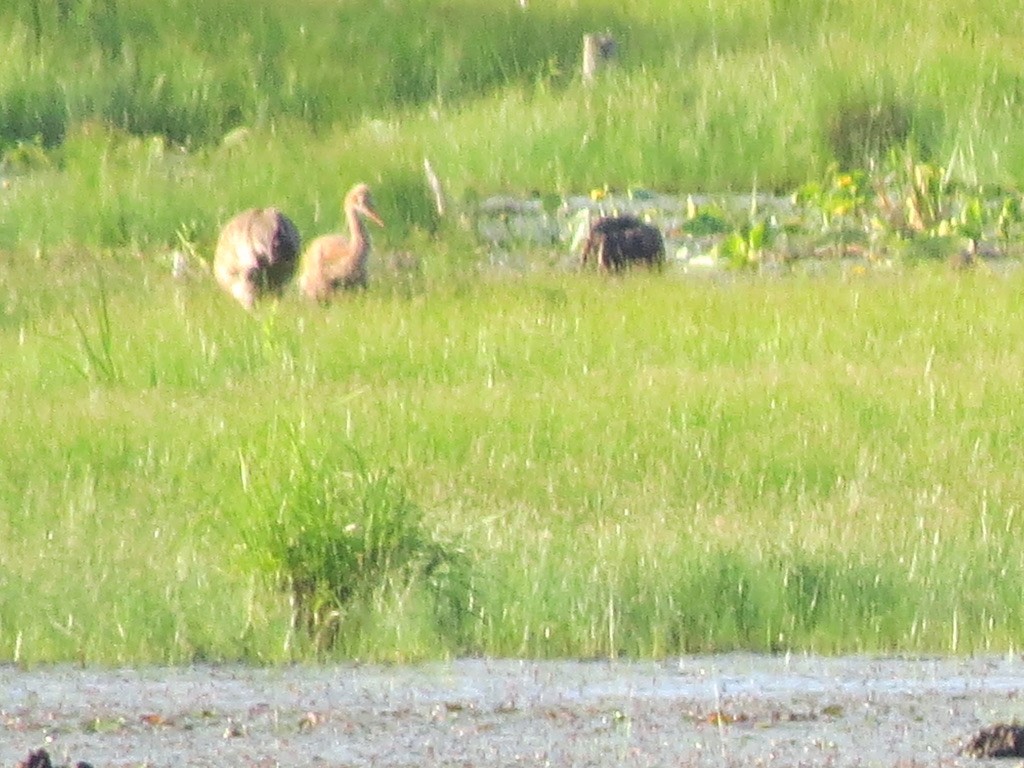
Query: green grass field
pixel 113 118
pixel 641 467
pixel 537 463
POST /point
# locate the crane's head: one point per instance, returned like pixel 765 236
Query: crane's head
pixel 360 200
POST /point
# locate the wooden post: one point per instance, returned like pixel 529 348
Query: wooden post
pixel 598 52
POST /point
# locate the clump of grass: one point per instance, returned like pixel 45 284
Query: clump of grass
pixel 861 130
pixel 406 193
pixel 338 539
pixel 95 360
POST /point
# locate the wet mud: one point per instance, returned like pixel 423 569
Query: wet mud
pixel 735 710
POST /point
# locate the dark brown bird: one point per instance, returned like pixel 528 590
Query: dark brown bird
pixel 999 740
pixel 335 262
pixel 257 255
pixel 619 242
pixel 41 759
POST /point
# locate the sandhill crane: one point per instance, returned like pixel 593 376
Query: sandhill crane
pixel 257 254
pixel 618 242
pixel 335 261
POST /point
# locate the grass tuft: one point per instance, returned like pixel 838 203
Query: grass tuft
pixel 95 360
pixel 342 539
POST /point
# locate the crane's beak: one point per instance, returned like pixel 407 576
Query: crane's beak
pixel 371 214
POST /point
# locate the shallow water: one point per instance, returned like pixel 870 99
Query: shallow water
pixel 715 711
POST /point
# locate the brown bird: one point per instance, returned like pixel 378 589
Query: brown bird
pixel 334 262
pixel 257 254
pixel 618 242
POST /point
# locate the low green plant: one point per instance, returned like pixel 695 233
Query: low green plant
pixel 26 156
pixel 1009 219
pixel 840 204
pixel 747 244
pixel 839 197
pixel 914 197
pixel 704 220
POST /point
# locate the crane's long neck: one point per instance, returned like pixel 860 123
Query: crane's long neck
pixel 357 230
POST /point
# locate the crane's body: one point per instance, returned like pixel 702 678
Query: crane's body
pixel 257 255
pixel 338 262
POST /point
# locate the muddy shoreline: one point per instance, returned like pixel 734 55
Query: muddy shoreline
pixel 694 711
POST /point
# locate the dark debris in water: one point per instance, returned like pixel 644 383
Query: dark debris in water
pixel 719 717
pixel 41 759
pixel 999 740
